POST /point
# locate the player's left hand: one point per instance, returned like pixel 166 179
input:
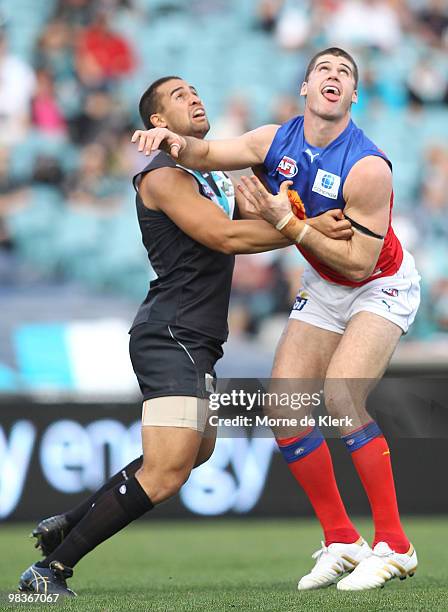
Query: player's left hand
pixel 159 138
pixel 332 224
pixel 271 207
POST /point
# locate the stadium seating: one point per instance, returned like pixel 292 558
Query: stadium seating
pixel 223 50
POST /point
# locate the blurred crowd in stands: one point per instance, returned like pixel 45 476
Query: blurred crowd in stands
pixel 72 72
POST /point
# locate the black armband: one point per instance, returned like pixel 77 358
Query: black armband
pixel 363 230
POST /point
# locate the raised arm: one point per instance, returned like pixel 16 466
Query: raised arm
pixel 247 150
pixel 367 193
pixel 331 223
pixel 203 220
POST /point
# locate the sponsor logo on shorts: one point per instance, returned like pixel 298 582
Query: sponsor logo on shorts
pixel 386 304
pixel 287 167
pixel 123 489
pixel 301 300
pixel 392 292
pixel 327 184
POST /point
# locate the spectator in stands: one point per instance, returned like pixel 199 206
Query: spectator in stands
pixel 91 185
pixel 102 55
pixel 259 289
pixel 125 161
pixel 371 88
pixel 76 12
pixel 12 195
pixel 427 82
pixel 54 50
pixel 432 23
pixel 439 299
pixel 46 114
pixel 17 83
pixel 434 192
pixel 285 107
pixel 99 113
pixel 47 171
pixel 293 27
pixel 370 23
pixel 8 182
pixel 268 13
pixel 235 120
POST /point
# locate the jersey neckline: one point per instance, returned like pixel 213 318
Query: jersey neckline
pixel 341 136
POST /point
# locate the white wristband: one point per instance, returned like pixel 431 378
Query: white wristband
pixel 284 221
pixel 301 236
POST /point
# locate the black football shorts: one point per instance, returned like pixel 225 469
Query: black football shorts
pixel 172 360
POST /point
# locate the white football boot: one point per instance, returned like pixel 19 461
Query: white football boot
pixel 332 562
pixel 383 565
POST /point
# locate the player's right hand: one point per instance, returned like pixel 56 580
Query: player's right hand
pixel 332 224
pixel 159 138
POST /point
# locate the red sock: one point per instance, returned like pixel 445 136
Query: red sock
pixel 314 472
pixel 372 462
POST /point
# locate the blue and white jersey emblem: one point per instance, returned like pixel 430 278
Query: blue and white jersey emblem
pixel 327 184
pixel 226 198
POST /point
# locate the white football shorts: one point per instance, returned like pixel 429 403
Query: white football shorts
pixel 331 306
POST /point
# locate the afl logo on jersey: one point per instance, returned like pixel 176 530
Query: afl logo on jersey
pixel 287 167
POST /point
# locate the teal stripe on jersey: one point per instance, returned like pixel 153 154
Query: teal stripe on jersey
pixel 221 199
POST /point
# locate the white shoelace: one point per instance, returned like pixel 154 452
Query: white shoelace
pixel 325 557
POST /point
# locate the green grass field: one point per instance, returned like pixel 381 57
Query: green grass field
pixel 226 565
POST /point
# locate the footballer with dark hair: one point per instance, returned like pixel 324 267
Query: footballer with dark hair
pixel 185 218
pixel 358 298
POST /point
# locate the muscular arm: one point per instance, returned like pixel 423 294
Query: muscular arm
pixel 203 220
pixel 367 192
pixel 247 150
pixel 330 223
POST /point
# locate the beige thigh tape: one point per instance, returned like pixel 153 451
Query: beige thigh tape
pixel 175 411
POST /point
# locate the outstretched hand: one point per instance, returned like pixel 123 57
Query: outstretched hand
pixel 159 138
pixel 272 208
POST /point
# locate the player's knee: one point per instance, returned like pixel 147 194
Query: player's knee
pixel 337 401
pixel 345 402
pixel 163 483
pixel 171 482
